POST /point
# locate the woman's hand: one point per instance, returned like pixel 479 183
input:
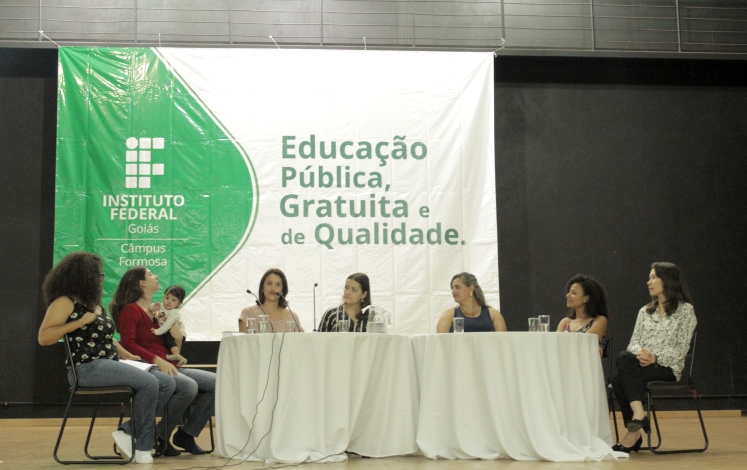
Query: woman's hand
pixel 646 357
pixel 166 367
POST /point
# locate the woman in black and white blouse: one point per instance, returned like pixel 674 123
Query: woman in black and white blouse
pixel 657 349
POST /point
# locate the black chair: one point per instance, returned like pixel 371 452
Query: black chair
pixel 659 391
pixel 98 392
pixel 608 384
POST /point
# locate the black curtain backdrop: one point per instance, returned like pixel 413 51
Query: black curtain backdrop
pixel 603 166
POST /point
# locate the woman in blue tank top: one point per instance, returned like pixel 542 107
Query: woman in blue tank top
pixel 478 316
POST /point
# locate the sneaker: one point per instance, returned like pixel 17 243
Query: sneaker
pixel 143 456
pixel 124 442
pixel 187 442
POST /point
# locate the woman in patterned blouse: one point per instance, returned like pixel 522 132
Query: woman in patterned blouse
pixel 356 297
pixel 657 349
pixel 587 308
pixel 72 291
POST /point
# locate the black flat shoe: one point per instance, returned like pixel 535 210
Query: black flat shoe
pixel 635 425
pixel 187 442
pixel 634 448
pixel 166 449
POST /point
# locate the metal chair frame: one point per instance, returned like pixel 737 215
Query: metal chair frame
pixel 76 390
pixel 608 386
pixel 684 384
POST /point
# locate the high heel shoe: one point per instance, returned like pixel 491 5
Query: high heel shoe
pixel 634 448
pixel 635 425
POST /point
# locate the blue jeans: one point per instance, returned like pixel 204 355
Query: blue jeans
pixel 148 393
pixel 186 385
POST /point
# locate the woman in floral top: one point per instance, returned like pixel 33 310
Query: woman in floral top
pixel 72 291
pixel 657 349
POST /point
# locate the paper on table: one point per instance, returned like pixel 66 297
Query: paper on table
pixel 140 365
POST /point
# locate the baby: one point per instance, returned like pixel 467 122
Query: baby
pixel 167 314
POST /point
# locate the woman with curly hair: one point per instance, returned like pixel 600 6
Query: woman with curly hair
pixel 587 308
pixel 72 291
pixel 130 309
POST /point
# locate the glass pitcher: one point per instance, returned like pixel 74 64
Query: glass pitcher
pixel 379 319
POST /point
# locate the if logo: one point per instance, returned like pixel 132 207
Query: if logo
pixel 139 169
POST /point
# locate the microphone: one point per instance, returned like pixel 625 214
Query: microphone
pixel 314 291
pixel 287 304
pixel 261 307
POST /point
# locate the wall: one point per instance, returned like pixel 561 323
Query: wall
pixel 603 166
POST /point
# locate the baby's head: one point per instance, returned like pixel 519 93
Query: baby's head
pixel 173 297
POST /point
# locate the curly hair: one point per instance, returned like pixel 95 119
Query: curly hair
pixel 675 288
pixel 128 291
pixel 470 280
pixel 281 301
pixel 597 304
pixel 78 274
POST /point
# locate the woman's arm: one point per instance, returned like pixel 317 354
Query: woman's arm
pixel 55 325
pixel 598 327
pixel 636 339
pixel 677 349
pixel 128 325
pixel 498 322
pixel 444 322
pixel 123 353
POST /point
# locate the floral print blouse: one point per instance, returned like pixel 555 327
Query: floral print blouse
pixel 92 341
pixel 668 337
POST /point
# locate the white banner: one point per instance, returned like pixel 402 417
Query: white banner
pixel 366 161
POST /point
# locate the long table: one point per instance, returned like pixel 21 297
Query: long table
pixel 305 397
pixel 524 396
pixel 299 397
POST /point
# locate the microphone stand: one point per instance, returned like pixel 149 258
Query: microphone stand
pixel 256 300
pixel 287 304
pixel 314 291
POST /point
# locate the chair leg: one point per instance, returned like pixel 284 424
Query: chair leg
pixel 655 449
pixel 93 459
pixel 62 430
pixel 212 440
pixel 611 406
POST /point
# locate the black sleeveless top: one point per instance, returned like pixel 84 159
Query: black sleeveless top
pixel 92 341
pixel 482 322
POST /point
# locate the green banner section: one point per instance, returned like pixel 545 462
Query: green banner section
pixel 145 174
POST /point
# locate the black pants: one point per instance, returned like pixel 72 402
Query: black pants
pixel 631 379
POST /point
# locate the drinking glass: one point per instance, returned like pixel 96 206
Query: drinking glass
pixel 251 326
pixel 343 326
pixel 534 324
pixel 544 323
pixel 290 326
pixel 264 324
pixel 459 325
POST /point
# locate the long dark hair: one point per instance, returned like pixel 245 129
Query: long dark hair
pixel 470 280
pixel 675 287
pixel 597 303
pixel 281 275
pixel 77 274
pixel 362 279
pixel 128 291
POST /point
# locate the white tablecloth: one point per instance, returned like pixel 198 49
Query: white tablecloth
pixel 516 395
pixel 336 392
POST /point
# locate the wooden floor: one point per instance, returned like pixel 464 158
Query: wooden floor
pixel 28 444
